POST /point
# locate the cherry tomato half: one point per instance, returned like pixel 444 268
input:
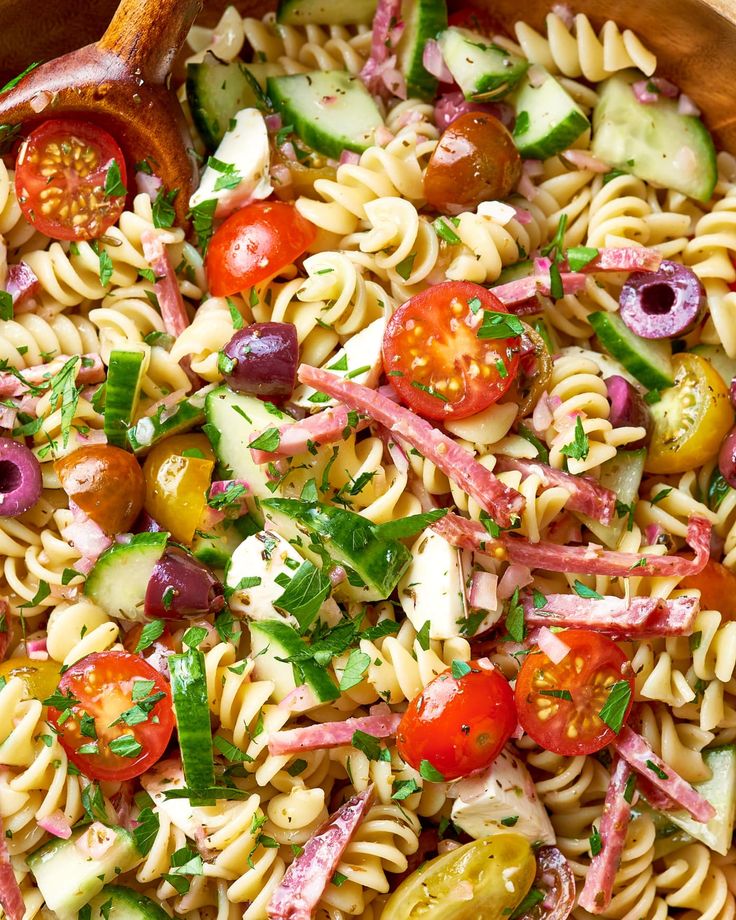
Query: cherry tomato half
pixel 559 704
pixel 458 724
pixel 691 418
pixel 103 688
pixel 254 244
pixel 475 160
pixel 178 472
pixel 106 483
pixel 71 179
pixel 717 586
pixel 435 359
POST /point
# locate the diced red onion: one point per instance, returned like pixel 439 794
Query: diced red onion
pixel 585 160
pixel 643 92
pixel 552 646
pixel 434 63
pixel 686 106
pixel 337 575
pixel 57 824
pixel 95 841
pixel 349 156
pixel 564 11
pixel 21 283
pixel 665 87
pixel 536 75
pixel 36 648
pixel 515 576
pixel 147 184
pixel 41 101
pixel 300 699
pixel 287 148
pixel 273 123
pixel 483 589
pixel 383 136
pixel 522 216
pixel 652 533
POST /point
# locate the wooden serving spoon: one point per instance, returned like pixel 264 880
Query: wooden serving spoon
pixel 120 82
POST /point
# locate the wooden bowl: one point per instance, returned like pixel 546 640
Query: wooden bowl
pixel 694 40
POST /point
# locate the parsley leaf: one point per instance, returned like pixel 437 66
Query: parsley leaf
pixel 499 326
pixel 114 187
pixel 614 709
pixel 409 526
pixel 579 448
pixel 429 772
pixel 305 593
pixel 584 591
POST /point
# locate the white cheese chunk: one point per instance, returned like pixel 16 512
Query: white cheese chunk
pixel 242 161
pixel 432 588
pixel 502 792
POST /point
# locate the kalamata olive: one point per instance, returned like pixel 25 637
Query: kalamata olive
pixel 106 483
pixel 732 392
pixel 181 586
pixel 628 408
pixel 146 524
pixel 265 357
pixel 662 304
pixel 727 458
pixel 555 879
pixel 20 478
pixel 450 106
pixel 475 160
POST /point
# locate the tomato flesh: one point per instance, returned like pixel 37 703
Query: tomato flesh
pixel 255 243
pixel 475 160
pixel 434 358
pixel 458 724
pixel 62 182
pixel 178 472
pixel 717 586
pixel 559 704
pixel 106 483
pixel 691 418
pixel 103 687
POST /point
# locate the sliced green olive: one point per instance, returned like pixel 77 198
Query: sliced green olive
pixel 486 879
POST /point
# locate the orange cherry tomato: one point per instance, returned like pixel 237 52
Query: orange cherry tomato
pixel 458 724
pixel 475 160
pixel 255 243
pixel 177 473
pixel 435 359
pixel 102 689
pixel 71 179
pixel 559 704
pixel 106 483
pixel 717 586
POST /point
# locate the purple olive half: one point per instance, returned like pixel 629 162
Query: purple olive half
pixel 262 359
pixel 628 408
pixel 181 586
pixel 727 458
pixel 662 304
pixel 20 478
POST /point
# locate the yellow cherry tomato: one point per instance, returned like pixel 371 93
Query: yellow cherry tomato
pixel 178 472
pixel 691 418
pixel 497 871
pixel 40 677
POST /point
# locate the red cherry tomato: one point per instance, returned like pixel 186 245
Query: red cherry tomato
pixel 458 724
pixel 71 179
pixel 102 688
pixel 476 19
pixel 255 243
pixel 559 705
pixel 435 359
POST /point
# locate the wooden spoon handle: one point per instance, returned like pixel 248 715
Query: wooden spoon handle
pixel 147 34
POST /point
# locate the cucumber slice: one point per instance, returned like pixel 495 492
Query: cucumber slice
pixel 331 111
pixel 654 141
pixel 124 377
pixel 234 420
pixel 720 791
pixel 481 69
pixel 119 578
pixel 192 713
pixel 423 19
pixel 349 539
pixel 185 415
pixel 648 360
pixel 216 92
pixel 715 354
pixel 548 119
pixel 325 12
pixel 272 640
pixel 515 272
pixel 118 903
pixel 216 545
pixel 68 878
pixel 622 475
